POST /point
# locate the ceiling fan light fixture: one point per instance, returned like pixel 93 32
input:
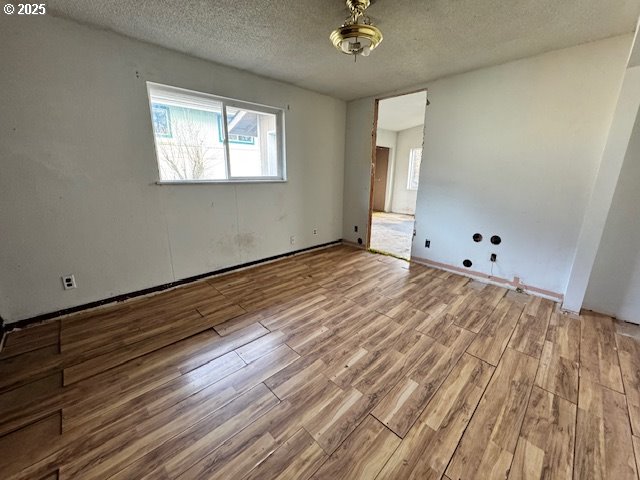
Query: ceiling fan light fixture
pixel 356 36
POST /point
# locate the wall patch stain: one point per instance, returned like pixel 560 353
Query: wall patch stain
pixel 246 241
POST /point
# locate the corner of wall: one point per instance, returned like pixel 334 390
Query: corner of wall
pixel 603 191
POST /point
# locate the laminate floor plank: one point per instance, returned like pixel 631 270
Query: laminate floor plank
pixel 115 453
pixel 333 363
pixel 493 338
pixel 26 446
pixel 28 367
pixel 251 351
pixel 362 455
pixel 604 447
pixel 529 335
pixel 165 414
pixel 188 447
pixel 267 434
pixel 559 362
pixel 429 445
pixel 598 355
pixel 129 352
pixel 297 458
pixel 547 438
pixel 30 402
pixel 112 325
pixel 237 323
pixel 406 401
pixel 339 418
pixel 30 339
pixel 629 355
pixel 489 443
pixel 135 378
pixel 82 420
pixel 295 376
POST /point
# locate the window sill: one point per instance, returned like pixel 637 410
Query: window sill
pixel 219 182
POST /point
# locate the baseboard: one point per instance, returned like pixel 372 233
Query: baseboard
pixel 7 327
pixel 502 282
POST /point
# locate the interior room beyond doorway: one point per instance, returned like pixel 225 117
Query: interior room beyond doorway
pixel 398 154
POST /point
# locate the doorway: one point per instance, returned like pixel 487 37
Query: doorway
pixel 397 156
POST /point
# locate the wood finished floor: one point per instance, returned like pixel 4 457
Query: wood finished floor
pixel 334 364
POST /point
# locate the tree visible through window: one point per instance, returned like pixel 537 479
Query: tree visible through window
pixel 199 137
pixel 415 158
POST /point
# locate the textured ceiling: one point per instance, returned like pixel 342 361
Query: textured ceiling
pixel 400 113
pixel 423 39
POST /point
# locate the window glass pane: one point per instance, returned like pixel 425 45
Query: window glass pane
pixel 187 139
pixel 201 137
pixel 253 143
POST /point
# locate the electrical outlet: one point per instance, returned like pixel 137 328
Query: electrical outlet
pixel 427 243
pixel 355 228
pixel 292 239
pixel 493 257
pixel 315 231
pixel 69 282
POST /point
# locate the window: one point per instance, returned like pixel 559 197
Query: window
pixel 415 157
pixel 204 138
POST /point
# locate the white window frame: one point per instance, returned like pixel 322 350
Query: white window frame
pixel 191 96
pixel 412 159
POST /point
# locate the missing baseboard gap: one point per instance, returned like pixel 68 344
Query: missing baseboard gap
pixel 514 284
pixel 353 244
pixel 151 291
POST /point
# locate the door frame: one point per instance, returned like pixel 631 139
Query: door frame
pixel 374 141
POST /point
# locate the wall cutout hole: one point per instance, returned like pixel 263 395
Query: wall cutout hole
pixel 496 240
pixel 359 241
pixel 467 263
pixel 477 237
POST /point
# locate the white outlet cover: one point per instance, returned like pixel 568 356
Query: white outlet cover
pixel 69 282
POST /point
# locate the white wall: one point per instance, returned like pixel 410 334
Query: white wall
pixel 509 150
pixel 77 191
pixel 357 169
pixel 388 138
pixel 403 200
pixel 614 285
pixel 604 188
